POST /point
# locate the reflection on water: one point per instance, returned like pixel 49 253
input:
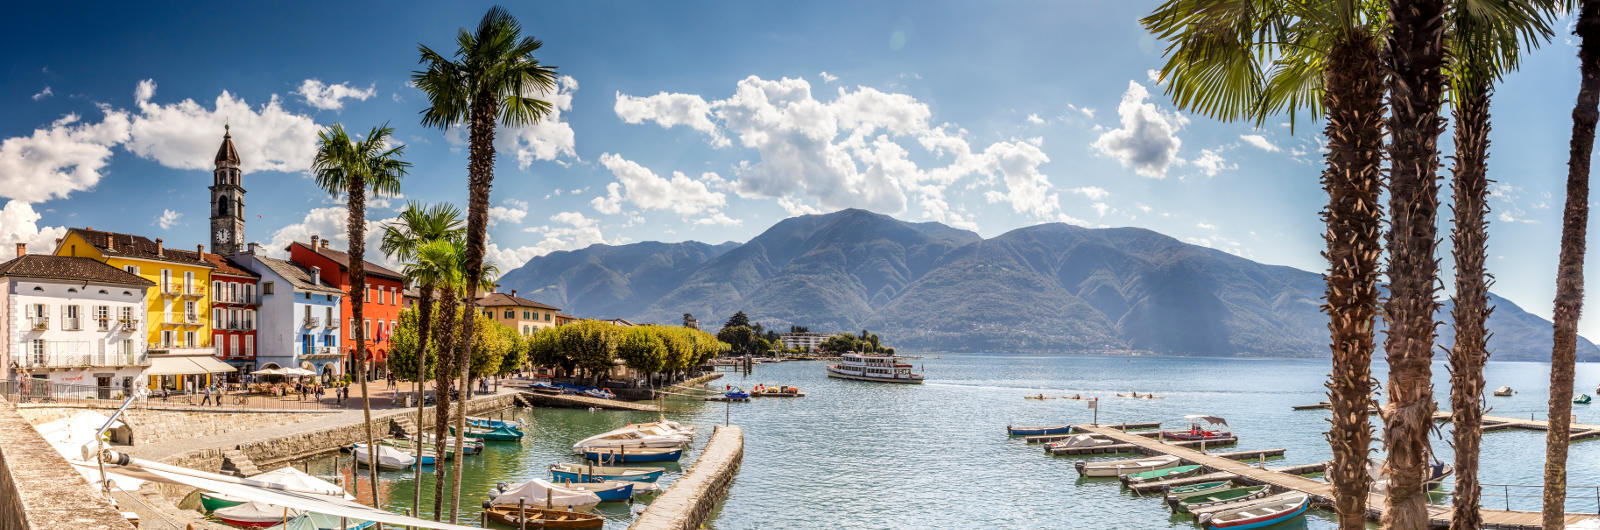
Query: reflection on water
pixel 865 455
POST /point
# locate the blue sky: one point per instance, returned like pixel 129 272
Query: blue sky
pixel 707 123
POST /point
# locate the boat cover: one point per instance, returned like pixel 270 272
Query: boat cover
pixel 257 511
pixel 533 494
pixel 295 480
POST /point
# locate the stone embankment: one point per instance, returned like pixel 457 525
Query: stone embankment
pixel 39 489
pixel 582 402
pixel 154 426
pixel 691 499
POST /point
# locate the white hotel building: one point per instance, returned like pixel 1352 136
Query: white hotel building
pixel 72 321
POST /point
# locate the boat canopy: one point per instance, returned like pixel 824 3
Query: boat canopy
pixel 1214 420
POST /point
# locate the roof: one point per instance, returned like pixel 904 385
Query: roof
pixel 343 259
pixel 114 244
pixel 503 300
pixel 228 267
pixel 69 268
pixel 298 276
pixel 226 154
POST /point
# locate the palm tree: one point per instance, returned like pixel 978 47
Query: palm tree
pixel 443 258
pixel 1484 44
pixel 1236 60
pixel 343 165
pixel 417 225
pixel 493 79
pixel 1569 270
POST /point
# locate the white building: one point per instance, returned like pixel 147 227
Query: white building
pixel 806 341
pixel 72 321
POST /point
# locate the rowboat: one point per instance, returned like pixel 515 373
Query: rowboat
pixel 211 502
pixel 1504 391
pixel 1116 468
pixel 1259 515
pixel 389 458
pixel 1136 395
pixel 543 518
pixel 1158 474
pixel 1181 492
pixel 1030 431
pixel 607 490
pixel 1582 399
pixel 1198 430
pixel 1186 504
pixel 493 435
pixel 592 473
pixel 538 493
pixel 469 445
pixel 256 514
pixel 486 423
pixel 1038 396
pixel 625 455
pixel 1081 440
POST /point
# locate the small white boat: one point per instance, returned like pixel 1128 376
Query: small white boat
pixel 256 514
pixel 389 458
pixel 1507 391
pixel 1116 468
pixel 539 493
pixel 634 436
pixel 1081 440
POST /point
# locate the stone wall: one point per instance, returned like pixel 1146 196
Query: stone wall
pixel 153 426
pixel 39 489
pixel 689 502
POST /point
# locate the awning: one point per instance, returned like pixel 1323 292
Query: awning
pixel 212 365
pixel 160 365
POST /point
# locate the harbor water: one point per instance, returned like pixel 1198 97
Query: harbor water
pixel 870 455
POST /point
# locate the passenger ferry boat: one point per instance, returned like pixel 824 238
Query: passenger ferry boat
pixel 879 368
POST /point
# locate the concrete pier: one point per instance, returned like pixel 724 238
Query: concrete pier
pixel 39 489
pixel 689 502
pixel 582 402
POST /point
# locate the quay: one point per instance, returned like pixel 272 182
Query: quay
pixel 689 502
pixel 582 402
pixel 1321 493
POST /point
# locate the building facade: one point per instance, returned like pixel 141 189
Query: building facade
pixel 521 314
pixel 72 321
pixel 300 317
pixel 178 310
pixel 383 298
pixel 234 304
pixel 806 341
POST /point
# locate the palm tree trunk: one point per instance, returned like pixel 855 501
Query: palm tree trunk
pixel 1416 83
pixel 1470 186
pixel 424 325
pixel 444 340
pixel 358 289
pixel 480 174
pixel 1354 102
pixel 1569 271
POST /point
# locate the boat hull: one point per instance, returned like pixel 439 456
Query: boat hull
pixel 626 457
pixel 841 375
pixel 213 502
pixel 541 518
pixel 581 475
pixel 1034 431
pixel 1123 467
pixel 1265 519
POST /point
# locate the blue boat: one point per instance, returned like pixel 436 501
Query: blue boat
pixel 608 491
pixel 738 394
pixel 545 387
pixel 1260 515
pixel 493 435
pixel 593 473
pixel 607 456
pixel 1035 431
pixel 486 423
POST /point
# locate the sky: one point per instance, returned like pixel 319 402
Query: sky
pixel 706 123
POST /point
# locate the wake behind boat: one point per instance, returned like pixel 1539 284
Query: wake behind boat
pixel 875 368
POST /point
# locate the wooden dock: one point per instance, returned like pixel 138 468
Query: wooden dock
pixel 1321 492
pixel 582 402
pixel 1579 431
pixel 1130 448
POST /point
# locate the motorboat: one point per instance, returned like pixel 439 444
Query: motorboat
pixel 1079 441
pixel 543 518
pixel 1116 468
pixel 429 451
pixel 1506 391
pixel 1038 430
pixel 544 388
pixel 1201 427
pixel 321 521
pixel 1217 498
pixel 633 436
pixel 607 490
pixel 501 434
pixel 600 393
pixel 594 473
pixel 540 493
pixel 389 458
pixel 875 368
pixel 256 514
pixel 1582 399
pixel 1380 476
pixel 1267 513
pixel 623 455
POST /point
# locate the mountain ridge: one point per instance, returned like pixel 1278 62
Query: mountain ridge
pixel 929 287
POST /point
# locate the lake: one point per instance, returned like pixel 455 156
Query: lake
pixel 871 455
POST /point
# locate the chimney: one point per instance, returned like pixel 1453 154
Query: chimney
pixel 252 250
pixel 200 250
pixel 160 250
pixel 314 242
pixel 111 242
pixel 324 243
pixel 22 249
pixel 316 272
pixel 513 293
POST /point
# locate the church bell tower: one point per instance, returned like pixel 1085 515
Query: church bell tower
pixel 227 200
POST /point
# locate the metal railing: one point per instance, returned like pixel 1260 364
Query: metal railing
pixel 71 359
pixel 1531 496
pixel 39 323
pixel 251 396
pixel 312 322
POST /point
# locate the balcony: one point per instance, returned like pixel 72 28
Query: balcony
pixel 128 325
pixel 333 323
pixel 39 323
pixel 78 354
pixel 312 322
pixel 194 291
pixel 190 320
pixel 321 352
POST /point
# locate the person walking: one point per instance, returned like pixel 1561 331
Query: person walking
pixel 207 399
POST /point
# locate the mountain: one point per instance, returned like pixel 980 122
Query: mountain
pixel 930 287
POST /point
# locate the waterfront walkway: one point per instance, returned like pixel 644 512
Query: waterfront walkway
pixel 1321 492
pixel 691 499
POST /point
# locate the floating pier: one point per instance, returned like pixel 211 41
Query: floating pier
pixel 1130 448
pixel 1579 431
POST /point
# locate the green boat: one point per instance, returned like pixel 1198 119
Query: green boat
pixel 211 502
pixel 1582 399
pixel 492 435
pixel 1158 474
pixel 1219 497
pixel 1198 489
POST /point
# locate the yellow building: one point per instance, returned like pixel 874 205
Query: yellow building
pixel 521 314
pixel 178 310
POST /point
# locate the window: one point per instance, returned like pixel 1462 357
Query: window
pixel 126 314
pixel 190 340
pixel 233 292
pixel 38 351
pixel 366 295
pixel 188 312
pixel 308 296
pixel 127 347
pixel 329 297
pixel 102 317
pixel 365 331
pixel 327 311
pixel 233 345
pixel 510 314
pixel 249 346
pixel 166 280
pixel 266 288
pixel 216 345
pixel 188 282
pixel 353 329
pixel 249 319
pixel 216 290
pixel 132 269
pixel 391 327
pixel 525 314
pixel 166 311
pixel 217 321
pixel 69 318
pixel 524 329
pixel 249 293
pixel 166 339
pixel 547 317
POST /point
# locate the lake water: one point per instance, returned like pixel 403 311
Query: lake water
pixel 868 455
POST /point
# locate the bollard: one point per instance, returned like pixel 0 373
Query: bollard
pixel 522 514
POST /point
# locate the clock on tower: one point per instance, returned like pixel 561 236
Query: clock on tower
pixel 227 200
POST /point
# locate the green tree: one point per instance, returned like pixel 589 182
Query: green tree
pixel 590 345
pixel 740 338
pixel 643 348
pixel 345 166
pixel 490 346
pixel 738 319
pixel 517 356
pixel 403 346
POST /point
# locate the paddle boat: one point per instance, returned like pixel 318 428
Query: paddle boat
pixel 1582 399
pixel 1159 474
pixel 502 434
pixel 1181 492
pixel 542 518
pixel 1217 498
pixel 1081 440
pixel 1033 431
pixel 593 473
pixel 256 514
pixel 634 436
pixel 1117 468
pixel 1504 391
pixel 763 390
pixel 1260 515
pixel 389 458
pixel 623 455
pixel 1198 430
pixel 539 493
pixel 736 393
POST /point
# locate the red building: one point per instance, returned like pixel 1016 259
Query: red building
pixel 233 312
pixel 384 297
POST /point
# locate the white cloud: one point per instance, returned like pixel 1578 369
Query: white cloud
pixel 1259 142
pixel 568 231
pixel 1148 139
pixel 330 223
pixel 1101 208
pixel 548 139
pixel 185 135
pixel 1211 163
pixel 1085 111
pixel 19 223
pixel 641 187
pixel 1154 76
pixel 670 110
pixel 796 207
pixel 43 94
pixel 1035 119
pixel 827 78
pixel 65 157
pixel 718 218
pixel 513 211
pixel 1094 193
pixel 168 219
pixel 330 97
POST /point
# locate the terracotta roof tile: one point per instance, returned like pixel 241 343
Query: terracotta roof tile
pixel 228 267
pixel 503 300
pixel 343 259
pixel 139 247
pixel 69 268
